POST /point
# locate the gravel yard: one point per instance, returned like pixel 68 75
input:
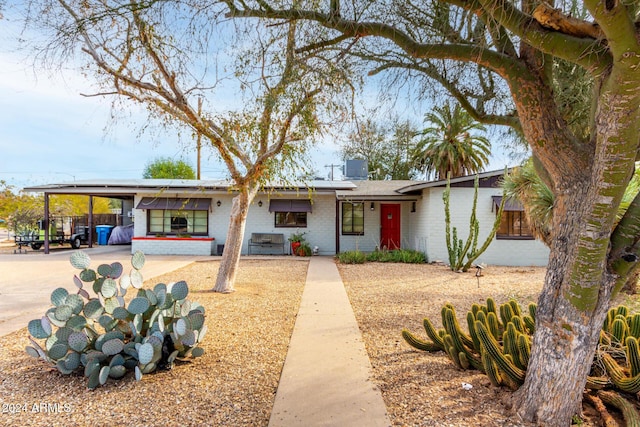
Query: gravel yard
pixel 234 383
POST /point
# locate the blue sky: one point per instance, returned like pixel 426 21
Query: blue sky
pixel 50 133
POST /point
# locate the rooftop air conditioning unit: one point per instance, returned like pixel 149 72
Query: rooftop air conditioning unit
pixel 356 170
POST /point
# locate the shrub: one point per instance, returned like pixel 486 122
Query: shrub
pixel 406 256
pixel 103 337
pixel 398 255
pixel 352 257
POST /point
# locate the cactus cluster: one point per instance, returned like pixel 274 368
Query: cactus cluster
pixel 499 344
pixel 105 337
pixel 620 350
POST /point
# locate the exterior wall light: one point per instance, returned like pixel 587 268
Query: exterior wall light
pixel 373 206
pixel 259 203
pixel 218 203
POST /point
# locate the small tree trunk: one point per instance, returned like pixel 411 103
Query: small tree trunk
pixel 233 244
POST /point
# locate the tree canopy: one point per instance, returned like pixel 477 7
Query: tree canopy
pixel 167 168
pixel 452 145
pixel 387 146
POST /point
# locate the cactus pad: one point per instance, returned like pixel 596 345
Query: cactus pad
pixel 77 282
pixel 59 296
pixel 88 276
pixel 112 347
pixel 38 330
pixel 80 260
pixel 181 327
pixel 63 313
pixel 58 351
pixel 138 305
pixel 72 361
pixel 117 372
pixel 75 302
pixel 136 279
pixel 116 270
pixel 111 304
pixel 197 320
pixel 109 287
pixel 120 313
pixel 179 290
pixel 197 352
pixel 78 341
pixel 137 260
pixel 93 309
pixel 145 353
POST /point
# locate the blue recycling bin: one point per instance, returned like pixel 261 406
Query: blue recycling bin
pixel 103 232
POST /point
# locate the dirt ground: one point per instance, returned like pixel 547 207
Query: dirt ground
pixel 235 382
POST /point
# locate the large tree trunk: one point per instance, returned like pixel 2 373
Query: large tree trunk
pixel 233 244
pixel 579 281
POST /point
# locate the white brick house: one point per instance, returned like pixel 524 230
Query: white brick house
pixel 191 217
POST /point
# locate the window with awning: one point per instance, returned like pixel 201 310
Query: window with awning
pixel 176 216
pixel 290 212
pixel 513 223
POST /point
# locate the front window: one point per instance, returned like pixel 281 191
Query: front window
pixel 514 225
pixel 164 221
pixel 291 219
pixel 353 218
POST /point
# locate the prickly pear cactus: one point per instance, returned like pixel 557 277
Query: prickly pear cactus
pixel 104 337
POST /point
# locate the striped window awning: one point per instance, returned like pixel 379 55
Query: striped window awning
pixel 293 205
pixel 174 204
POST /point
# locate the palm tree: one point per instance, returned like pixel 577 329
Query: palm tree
pixel 450 145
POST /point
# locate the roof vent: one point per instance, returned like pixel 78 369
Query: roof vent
pixel 356 170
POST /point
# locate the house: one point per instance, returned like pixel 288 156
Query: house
pixel 190 217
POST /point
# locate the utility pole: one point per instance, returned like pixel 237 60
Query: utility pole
pixel 198 140
pixel 332 166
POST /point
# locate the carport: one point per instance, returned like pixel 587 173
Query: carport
pixel 105 189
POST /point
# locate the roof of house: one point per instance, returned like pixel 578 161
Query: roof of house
pixel 378 190
pixel 344 190
pixel 418 186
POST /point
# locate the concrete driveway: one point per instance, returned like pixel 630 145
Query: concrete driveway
pixel 27 280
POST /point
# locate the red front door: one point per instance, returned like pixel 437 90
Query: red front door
pixel 389 226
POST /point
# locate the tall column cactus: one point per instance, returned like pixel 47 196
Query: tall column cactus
pixel 458 249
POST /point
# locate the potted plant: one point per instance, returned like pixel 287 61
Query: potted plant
pixel 296 239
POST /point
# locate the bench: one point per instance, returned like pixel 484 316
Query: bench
pixel 267 240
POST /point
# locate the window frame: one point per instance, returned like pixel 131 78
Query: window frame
pixel 298 223
pixel 509 216
pixel 352 221
pixel 169 217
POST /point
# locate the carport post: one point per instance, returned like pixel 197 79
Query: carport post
pixel 90 221
pixel 45 223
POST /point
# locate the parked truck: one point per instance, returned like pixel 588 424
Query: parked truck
pixel 62 230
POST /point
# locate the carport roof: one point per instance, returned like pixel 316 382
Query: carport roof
pixel 129 187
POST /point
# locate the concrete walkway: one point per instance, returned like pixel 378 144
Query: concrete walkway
pixel 326 379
